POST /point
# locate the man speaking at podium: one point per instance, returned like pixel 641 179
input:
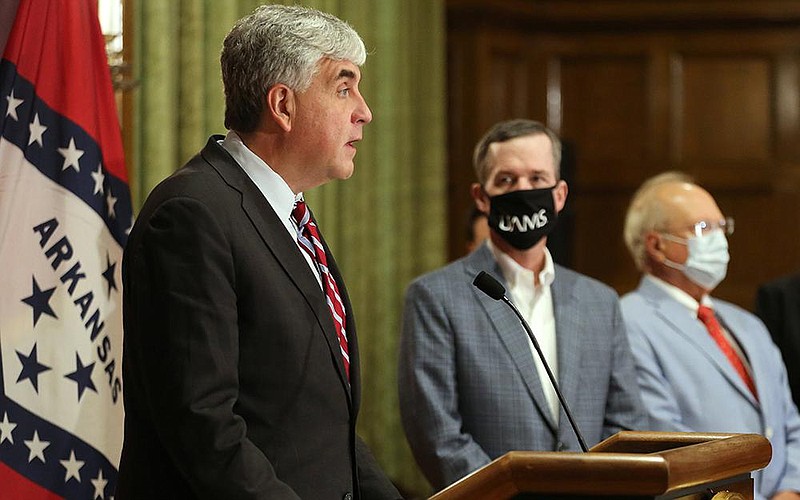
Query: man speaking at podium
pixel 241 370
pixel 471 386
pixel 703 365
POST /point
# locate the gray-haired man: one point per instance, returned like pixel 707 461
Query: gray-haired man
pixel 241 360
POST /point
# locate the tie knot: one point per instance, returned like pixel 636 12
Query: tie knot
pixel 705 313
pixel 300 213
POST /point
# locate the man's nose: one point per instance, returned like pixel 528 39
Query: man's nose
pixel 524 183
pixel 363 114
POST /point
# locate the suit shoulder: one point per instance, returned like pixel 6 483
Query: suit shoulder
pixel 444 274
pixel 790 282
pixel 585 283
pixel 743 321
pixel 731 310
pixel 193 178
pixel 631 300
pixel 197 179
pixel 638 313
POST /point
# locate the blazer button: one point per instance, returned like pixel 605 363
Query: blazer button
pixel 347 496
pixel 560 446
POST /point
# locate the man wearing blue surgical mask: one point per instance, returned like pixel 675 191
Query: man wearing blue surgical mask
pixel 471 385
pixel 703 364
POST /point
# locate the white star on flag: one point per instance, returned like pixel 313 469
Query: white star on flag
pixel 99 485
pixel 111 202
pixel 13 104
pixel 73 467
pixel 98 179
pixel 6 427
pixel 37 131
pixel 36 447
pixel 71 156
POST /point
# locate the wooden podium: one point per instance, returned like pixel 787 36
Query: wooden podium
pixel 628 465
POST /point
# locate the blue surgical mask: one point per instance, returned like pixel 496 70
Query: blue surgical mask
pixel 707 263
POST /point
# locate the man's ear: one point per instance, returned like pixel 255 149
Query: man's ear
pixel 652 246
pixel 480 197
pixel 560 195
pixel 281 105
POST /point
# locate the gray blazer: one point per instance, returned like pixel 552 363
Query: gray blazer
pixel 469 389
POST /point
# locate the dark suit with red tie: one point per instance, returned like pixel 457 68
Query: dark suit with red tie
pixel 234 385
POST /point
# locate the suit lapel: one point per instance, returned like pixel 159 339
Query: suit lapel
pixel 692 331
pixel 273 233
pixel 568 332
pixel 511 332
pixel 729 322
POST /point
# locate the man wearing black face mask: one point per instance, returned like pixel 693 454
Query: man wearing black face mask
pixel 471 386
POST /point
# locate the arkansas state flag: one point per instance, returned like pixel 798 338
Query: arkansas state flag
pixel 65 212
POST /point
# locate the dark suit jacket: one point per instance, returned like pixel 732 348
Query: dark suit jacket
pixel 778 306
pixel 234 386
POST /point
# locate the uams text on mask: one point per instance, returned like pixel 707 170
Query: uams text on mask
pixel 510 223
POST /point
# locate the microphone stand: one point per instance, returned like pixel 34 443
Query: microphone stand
pixel 549 372
pixel 486 283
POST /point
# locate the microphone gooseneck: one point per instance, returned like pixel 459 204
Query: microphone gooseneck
pixel 486 283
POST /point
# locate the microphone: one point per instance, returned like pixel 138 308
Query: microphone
pixel 486 283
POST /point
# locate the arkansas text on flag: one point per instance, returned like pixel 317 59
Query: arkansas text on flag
pixel 64 215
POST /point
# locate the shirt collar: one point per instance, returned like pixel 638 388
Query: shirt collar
pixel 679 295
pixel 272 186
pixel 514 273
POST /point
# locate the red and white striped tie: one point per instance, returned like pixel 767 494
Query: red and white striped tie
pixel 311 243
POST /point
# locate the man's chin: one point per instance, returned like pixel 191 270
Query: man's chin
pixel 343 172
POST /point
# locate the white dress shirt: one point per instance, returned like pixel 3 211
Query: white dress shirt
pixel 275 190
pixel 535 303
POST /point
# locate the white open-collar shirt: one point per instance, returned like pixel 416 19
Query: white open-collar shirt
pixel 535 303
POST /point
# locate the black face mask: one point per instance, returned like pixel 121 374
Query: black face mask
pixel 522 218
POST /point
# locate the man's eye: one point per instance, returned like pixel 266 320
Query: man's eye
pixel 344 92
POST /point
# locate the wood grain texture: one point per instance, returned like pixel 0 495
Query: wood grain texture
pixel 628 465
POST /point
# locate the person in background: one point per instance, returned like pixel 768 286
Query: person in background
pixel 477 229
pixel 778 306
pixel 703 364
pixel 471 385
pixel 241 369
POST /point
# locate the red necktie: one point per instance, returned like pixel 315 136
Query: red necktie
pixel 311 243
pixel 706 315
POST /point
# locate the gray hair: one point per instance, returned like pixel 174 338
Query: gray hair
pixel 505 131
pixel 648 212
pixel 279 44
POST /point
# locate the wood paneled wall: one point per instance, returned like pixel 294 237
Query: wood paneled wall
pixel 708 87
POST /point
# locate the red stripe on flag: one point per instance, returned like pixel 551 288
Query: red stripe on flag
pixel 48 46
pixel 18 487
